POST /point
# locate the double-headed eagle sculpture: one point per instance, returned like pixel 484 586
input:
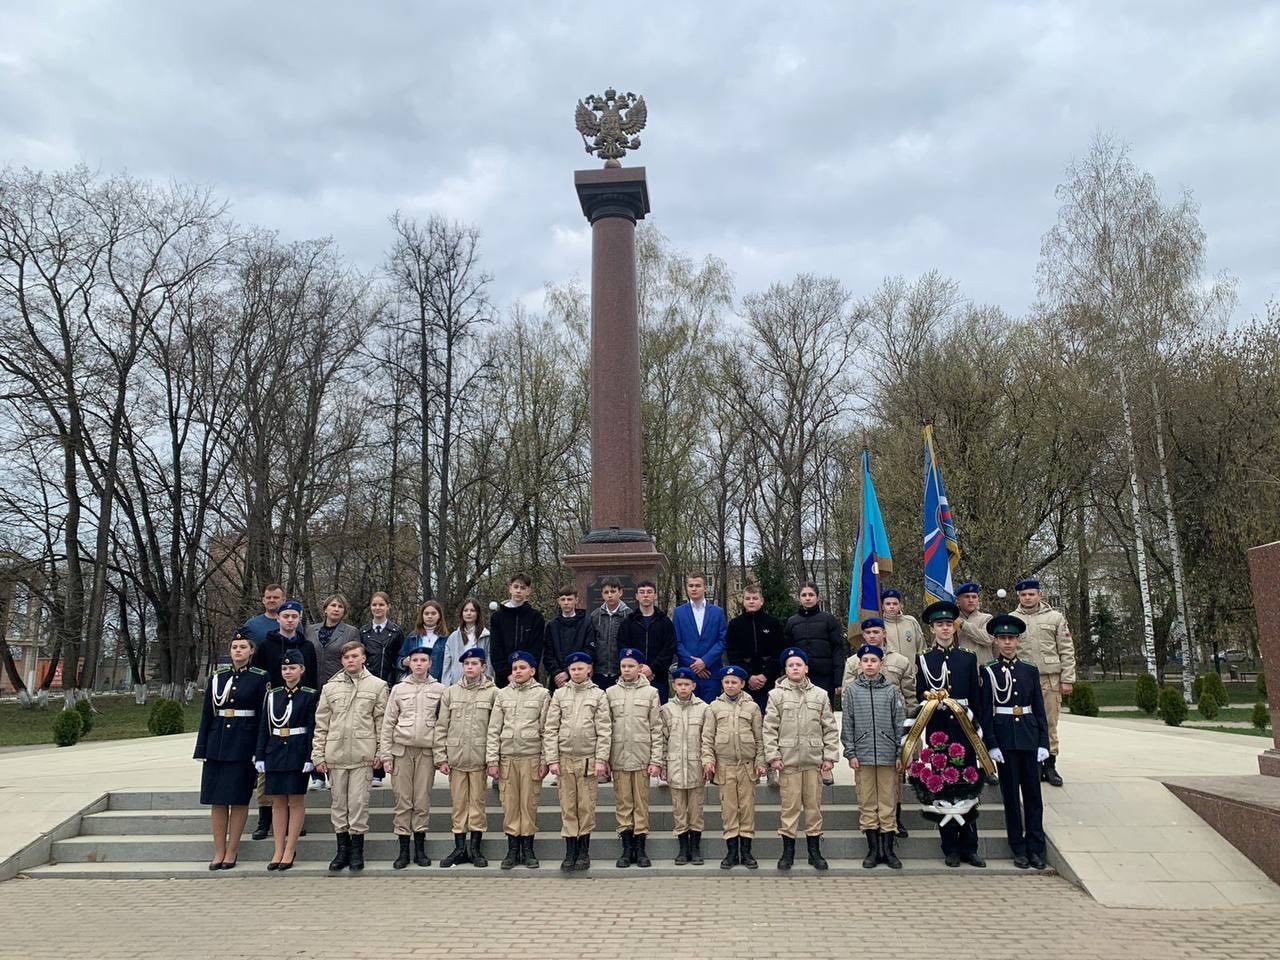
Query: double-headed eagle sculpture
pixel 612 133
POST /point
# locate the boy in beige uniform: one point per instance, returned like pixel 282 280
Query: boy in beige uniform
pixel 682 719
pixel 514 756
pixel 733 758
pixel 408 744
pixel 462 734
pixel 634 754
pixel 575 746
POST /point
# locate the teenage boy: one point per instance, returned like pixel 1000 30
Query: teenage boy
pixel 682 720
pixel 564 634
pixel 513 754
pixel 633 754
pixel 972 625
pixel 871 725
pixel 733 758
pixel 801 742
pixel 347 747
pixel 575 745
pixel 408 753
pixel 1048 645
pixel 649 630
pixel 462 735
pixel 753 641
pixel 700 636
pixel 902 632
pixel 516 625
pixel 604 629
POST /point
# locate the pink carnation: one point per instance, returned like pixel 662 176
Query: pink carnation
pixel 926 755
pixel 938 761
pixel 955 750
pixel 934 783
pixel 937 739
pixel 970 775
pixel 951 775
pixel 917 768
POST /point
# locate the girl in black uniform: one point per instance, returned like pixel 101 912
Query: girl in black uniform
pixel 284 756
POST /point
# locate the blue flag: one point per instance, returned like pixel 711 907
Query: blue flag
pixel 871 554
pixel 941 547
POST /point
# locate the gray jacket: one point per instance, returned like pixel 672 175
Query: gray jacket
pixel 603 629
pixel 329 656
pixel 872 721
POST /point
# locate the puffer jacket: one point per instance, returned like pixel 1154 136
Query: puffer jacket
pixel 517 721
pixel 637 728
pixel 799 727
pixel 897 669
pixel 732 732
pixel 349 721
pixel 410 720
pixel 871 721
pixel 819 635
pixel 681 747
pixel 462 732
pixel 578 724
pixel 1047 642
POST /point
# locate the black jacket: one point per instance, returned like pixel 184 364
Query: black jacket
pixel 563 636
pixel 512 629
pixel 287 754
pixel 961 677
pixel 754 643
pixel 381 651
pixel 270 652
pixel 231 738
pixel 657 642
pixel 818 634
pixel 1018 689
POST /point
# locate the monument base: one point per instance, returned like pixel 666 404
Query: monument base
pixel 1245 810
pixel 1269 763
pixel 629 561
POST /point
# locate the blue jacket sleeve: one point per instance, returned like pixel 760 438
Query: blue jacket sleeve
pixel 719 628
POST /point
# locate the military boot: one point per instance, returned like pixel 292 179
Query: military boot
pixel 628 841
pixel 1049 772
pixel 460 854
pixel 357 852
pixel 402 860
pixel 583 861
pixel 263 829
pixel 731 857
pixel 816 859
pixel 343 856
pixel 744 854
pixel 640 856
pixel 873 849
pixel 682 857
pixel 420 849
pixel 570 854
pixel 788 853
pixel 902 827
pixel 887 854
pixel 527 856
pixel 477 858
pixel 695 847
pixel 513 852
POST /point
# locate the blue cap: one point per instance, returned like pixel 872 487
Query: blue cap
pixel 524 655
pixel 1031 583
pixel 890 594
pixel 292 658
pixel 290 605
pixel 631 653
pixel 476 652
pixel 870 648
pixel 578 657
pixel 872 622
pixel 968 587
pixel 790 652
pixel 684 673
pixel 420 648
pixel 732 671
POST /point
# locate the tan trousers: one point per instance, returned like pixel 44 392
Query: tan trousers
pixel 519 789
pixel 737 798
pixel 800 789
pixel 687 809
pixel 578 792
pixel 631 796
pixel 411 782
pixel 349 799
pixel 466 800
pixel 877 797
pixel 1051 688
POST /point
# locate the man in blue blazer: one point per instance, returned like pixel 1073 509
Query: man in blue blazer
pixel 700 635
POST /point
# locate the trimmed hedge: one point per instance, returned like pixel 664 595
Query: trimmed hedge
pixel 85 709
pixel 1214 686
pixel 1146 693
pixel 1208 706
pixel 1197 687
pixel 1173 709
pixel 1083 700
pixel 67 727
pixel 165 718
pixel 1261 717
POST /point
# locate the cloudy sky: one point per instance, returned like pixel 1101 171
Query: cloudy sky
pixel 857 140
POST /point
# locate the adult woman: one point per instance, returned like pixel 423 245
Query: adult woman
pixel 328 636
pixel 284 756
pixel 225 744
pixel 471 632
pixel 430 631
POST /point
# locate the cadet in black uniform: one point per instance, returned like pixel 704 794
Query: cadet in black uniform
pixel 225 744
pixel 284 755
pixel 945 665
pixel 1015 728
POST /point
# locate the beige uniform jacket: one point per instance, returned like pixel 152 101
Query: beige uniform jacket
pixel 637 728
pixel 517 721
pixel 732 732
pixel 578 724
pixel 903 634
pixel 1047 642
pixel 973 636
pixel 897 669
pixel 799 727
pixel 410 720
pixel 462 732
pixel 349 721
pixel 681 748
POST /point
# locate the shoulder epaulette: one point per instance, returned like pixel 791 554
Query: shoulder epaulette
pixel 259 671
pixel 223 668
pixel 992 662
pixel 307 689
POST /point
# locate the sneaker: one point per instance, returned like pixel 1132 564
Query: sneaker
pixel 377 783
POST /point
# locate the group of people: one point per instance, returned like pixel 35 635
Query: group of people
pixel 627 696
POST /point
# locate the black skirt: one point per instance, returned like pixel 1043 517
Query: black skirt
pixel 286 783
pixel 227 782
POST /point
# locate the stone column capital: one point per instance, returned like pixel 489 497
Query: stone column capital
pixel 618 192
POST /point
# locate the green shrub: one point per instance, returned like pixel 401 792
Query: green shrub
pixel 1208 706
pixel 1197 688
pixel 1214 686
pixel 1262 685
pixel 67 727
pixel 1173 709
pixel 1146 693
pixel 1261 718
pixel 165 718
pixel 1083 700
pixel 85 709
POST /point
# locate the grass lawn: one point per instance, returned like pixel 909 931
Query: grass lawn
pixel 118 718
pixel 1242 714
pixel 1120 693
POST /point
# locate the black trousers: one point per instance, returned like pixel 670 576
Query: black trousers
pixel 960 838
pixel 1023 822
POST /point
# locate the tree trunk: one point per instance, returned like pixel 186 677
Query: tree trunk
pixel 1139 547
pixel 1180 629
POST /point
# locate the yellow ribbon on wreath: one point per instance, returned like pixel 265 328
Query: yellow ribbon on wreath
pixel 932 700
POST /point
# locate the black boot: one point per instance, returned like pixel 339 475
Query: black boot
pixel 527 856
pixel 420 849
pixel 695 847
pixel 873 849
pixel 357 852
pixel 477 858
pixel 788 853
pixel 263 829
pixel 402 861
pixel 459 853
pixel 583 861
pixel 682 857
pixel 514 847
pixel 902 827
pixel 1048 773
pixel 624 858
pixel 570 854
pixel 1036 861
pixel 744 854
pixel 639 856
pixel 731 857
pixel 887 854
pixel 973 859
pixel 343 856
pixel 816 860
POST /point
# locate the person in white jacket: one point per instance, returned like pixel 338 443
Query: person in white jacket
pixel 471 632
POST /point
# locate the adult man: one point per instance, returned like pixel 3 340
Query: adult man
pixel 649 630
pixel 1047 644
pixel 972 625
pixel 753 641
pixel 700 636
pixel 516 625
pixel 604 627
pixel 902 632
pixel 257 628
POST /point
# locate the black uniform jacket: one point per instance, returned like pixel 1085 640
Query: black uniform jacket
pixel 1013 715
pixel 961 675
pixel 287 754
pixel 272 650
pixel 229 731
pixel 657 642
pixel 512 629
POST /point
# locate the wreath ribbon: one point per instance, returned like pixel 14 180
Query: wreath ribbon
pixel 932 701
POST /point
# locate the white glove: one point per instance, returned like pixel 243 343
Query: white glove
pixel 307 767
pixel 199 759
pixel 260 766
pixel 1042 755
pixel 996 755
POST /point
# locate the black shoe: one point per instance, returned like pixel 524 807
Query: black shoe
pixel 731 856
pixel 287 866
pixel 343 856
pixel 1020 861
pixel 682 857
pixel 477 858
pixel 744 854
pixel 227 865
pixel 513 853
pixel 357 852
pixel 788 853
pixel 1037 861
pixel 1049 772
pixel 420 849
pixel 953 860
pixel 902 827
pixel 624 858
pixel 216 866
pixel 527 856
pixel 273 865
pixel 973 859
pixel 263 829
pixel 583 861
pixel 816 859
pixel 402 861
pixel 873 849
pixel 695 847
pixel 887 854
pixel 459 854
pixel 570 854
pixel 640 856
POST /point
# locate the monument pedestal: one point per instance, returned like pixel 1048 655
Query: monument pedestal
pixel 629 562
pixel 1264 573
